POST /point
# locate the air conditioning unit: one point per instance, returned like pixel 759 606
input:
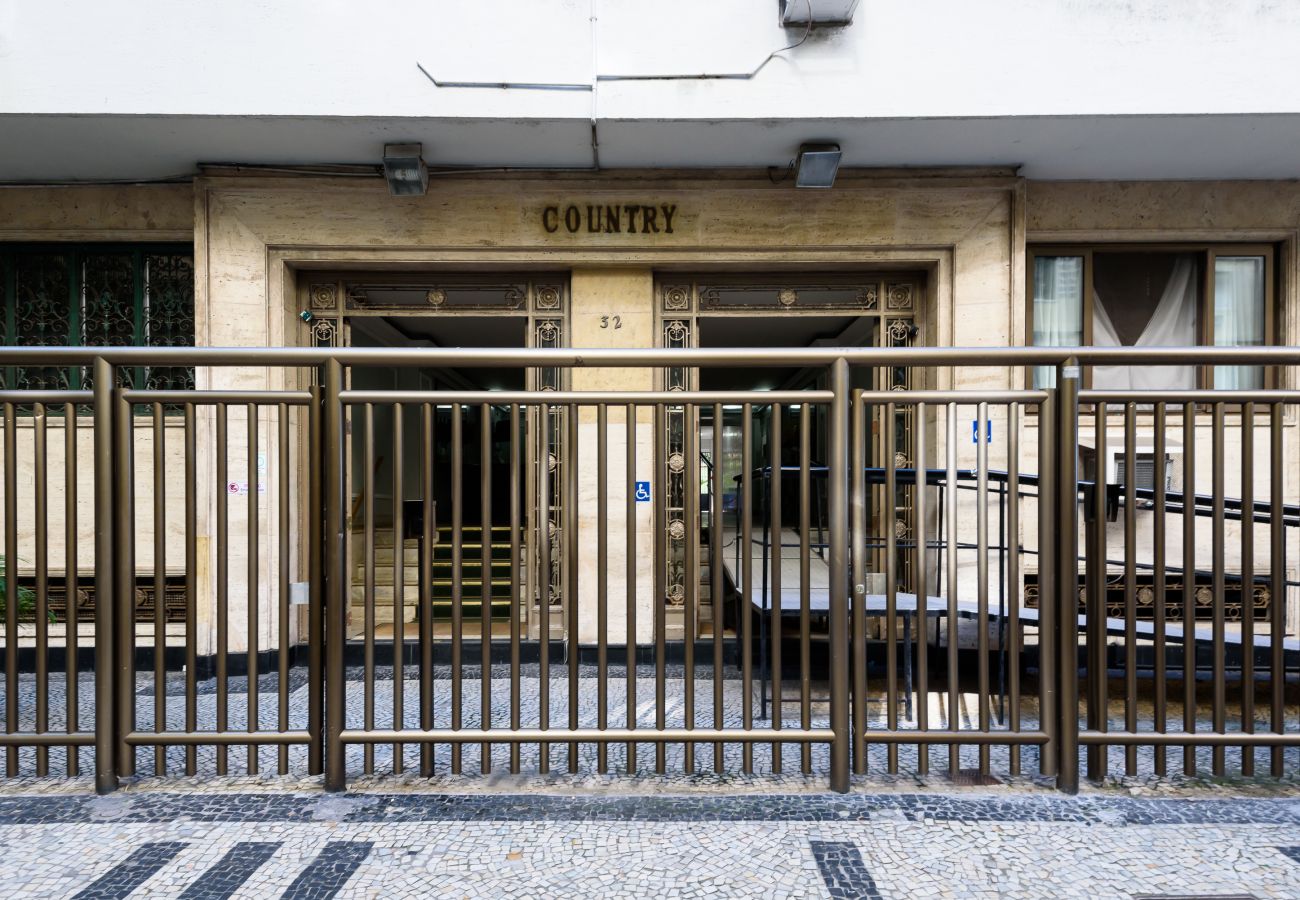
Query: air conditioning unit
pixel 817 12
pixel 1146 469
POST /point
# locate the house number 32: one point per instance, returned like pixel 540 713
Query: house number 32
pixel 606 321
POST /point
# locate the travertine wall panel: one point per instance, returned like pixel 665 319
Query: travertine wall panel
pixel 1200 211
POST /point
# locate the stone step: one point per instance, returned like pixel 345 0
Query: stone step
pixel 441 574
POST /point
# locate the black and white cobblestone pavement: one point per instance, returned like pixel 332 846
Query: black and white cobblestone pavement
pixel 618 835
pixel 251 838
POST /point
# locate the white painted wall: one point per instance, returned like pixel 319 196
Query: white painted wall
pixel 899 58
pixel 1101 89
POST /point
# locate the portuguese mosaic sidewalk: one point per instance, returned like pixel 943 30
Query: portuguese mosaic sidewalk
pixel 561 836
pixel 592 835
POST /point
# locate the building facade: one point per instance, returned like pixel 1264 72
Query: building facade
pixel 607 176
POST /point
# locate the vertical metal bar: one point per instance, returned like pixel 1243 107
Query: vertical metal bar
pixel 954 552
pixel 774 513
pixel 105 578
pixel 334 430
pixel 399 584
pixel 316 538
pixel 922 592
pixel 1189 583
pixel 715 573
pixel 124 596
pixel 71 586
pixel 40 477
pixel 691 542
pixel 1013 578
pixel 515 564
pixel 457 577
pixel 1098 701
pixel 485 594
pixel 223 581
pixel 1160 593
pixel 1277 587
pixel 191 585
pixel 1247 583
pixel 544 538
pixel 254 616
pixel 982 576
pixel 159 587
pixel 1219 713
pixel 1067 591
pixel 571 564
pixel 630 577
pixel 11 587
pixel 839 582
pixel 602 583
pixel 887 518
pixel 427 537
pixel 1047 562
pixel 368 581
pixel 1130 583
pixel 746 585
pixel 282 568
pixel 858 560
pixel 805 586
pixel 660 596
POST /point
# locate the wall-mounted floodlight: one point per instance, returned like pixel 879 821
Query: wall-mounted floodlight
pixel 817 165
pixel 817 12
pixel 405 170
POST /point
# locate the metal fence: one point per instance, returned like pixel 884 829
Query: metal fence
pixel 928 593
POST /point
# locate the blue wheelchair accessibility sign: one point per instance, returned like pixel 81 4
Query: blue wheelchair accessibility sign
pixel 642 492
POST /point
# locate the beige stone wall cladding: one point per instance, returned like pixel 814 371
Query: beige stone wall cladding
pixel 257 239
pixel 1256 211
pixel 962 228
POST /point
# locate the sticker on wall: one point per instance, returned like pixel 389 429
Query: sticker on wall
pixel 235 488
pixel 642 492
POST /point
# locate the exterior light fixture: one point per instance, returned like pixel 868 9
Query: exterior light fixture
pixel 817 12
pixel 817 165
pixel 405 170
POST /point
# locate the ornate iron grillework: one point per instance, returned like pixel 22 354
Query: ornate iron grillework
pixel 146 596
pixel 108 295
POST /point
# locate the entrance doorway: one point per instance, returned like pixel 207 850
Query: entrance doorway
pixel 781 310
pixel 444 495
pixel 469 476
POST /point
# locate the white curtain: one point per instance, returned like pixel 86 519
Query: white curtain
pixel 1058 308
pixel 1172 324
pixel 1238 316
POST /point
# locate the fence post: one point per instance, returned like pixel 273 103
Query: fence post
pixel 123 595
pixel 336 596
pixel 316 576
pixel 839 580
pixel 1067 572
pixel 1048 682
pixel 105 716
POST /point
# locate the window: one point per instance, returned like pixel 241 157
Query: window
pixel 97 295
pixel 1137 296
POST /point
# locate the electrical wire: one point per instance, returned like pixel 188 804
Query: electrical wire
pixel 569 86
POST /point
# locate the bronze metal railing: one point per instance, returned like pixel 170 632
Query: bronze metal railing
pixel 893 514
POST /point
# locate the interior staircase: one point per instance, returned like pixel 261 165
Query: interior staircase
pixel 471 574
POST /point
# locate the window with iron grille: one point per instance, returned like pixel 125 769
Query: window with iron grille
pixel 97 295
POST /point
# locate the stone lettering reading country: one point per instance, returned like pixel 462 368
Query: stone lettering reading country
pixel 605 218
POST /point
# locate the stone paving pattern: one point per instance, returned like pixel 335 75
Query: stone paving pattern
pixel 486 843
pixel 206 702
pixel 590 834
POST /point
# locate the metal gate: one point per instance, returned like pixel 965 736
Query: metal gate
pixel 180 568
